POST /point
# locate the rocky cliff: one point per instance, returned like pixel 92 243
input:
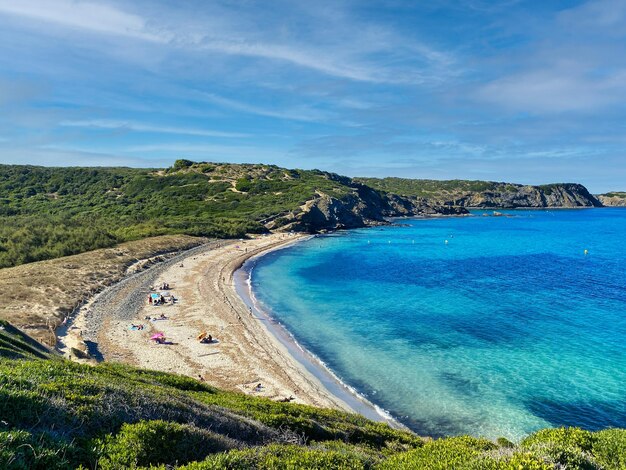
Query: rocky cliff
pixel 369 202
pixel 507 196
pixel 362 207
pixel 487 194
pixel 613 199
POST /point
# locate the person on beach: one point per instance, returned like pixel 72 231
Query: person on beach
pixel 149 299
pixel 207 339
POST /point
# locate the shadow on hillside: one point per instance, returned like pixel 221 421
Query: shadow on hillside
pixel 92 349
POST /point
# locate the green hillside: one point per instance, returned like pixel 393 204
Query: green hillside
pixel 55 414
pixel 51 212
pixel 443 189
pixel 429 188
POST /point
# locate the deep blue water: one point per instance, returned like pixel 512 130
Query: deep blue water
pixel 507 328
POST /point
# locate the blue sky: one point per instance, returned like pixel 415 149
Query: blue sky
pixel 524 91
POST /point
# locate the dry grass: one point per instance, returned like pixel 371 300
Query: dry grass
pixel 36 297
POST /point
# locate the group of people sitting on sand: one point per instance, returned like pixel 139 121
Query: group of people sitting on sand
pixel 161 300
pixel 163 297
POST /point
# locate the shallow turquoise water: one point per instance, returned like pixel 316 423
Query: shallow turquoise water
pixel 507 328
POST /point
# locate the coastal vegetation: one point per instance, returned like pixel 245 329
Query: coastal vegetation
pixel 52 212
pixel 618 194
pixel 57 414
pixel 48 213
pixel 431 188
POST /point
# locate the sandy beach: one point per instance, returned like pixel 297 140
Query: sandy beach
pixel 243 353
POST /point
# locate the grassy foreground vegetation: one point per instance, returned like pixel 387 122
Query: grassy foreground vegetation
pixel 53 212
pixel 56 414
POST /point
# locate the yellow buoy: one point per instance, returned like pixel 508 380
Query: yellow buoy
pixel 586 252
pixel 446 242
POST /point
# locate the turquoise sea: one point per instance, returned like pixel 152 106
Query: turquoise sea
pixel 506 328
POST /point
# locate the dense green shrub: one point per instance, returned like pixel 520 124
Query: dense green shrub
pixel 52 212
pixel 609 449
pixel 570 437
pixel 315 424
pixel 504 443
pixel 181 164
pixel 442 454
pixel 20 450
pixel 158 442
pixel 569 447
pixel 276 457
pixel 431 188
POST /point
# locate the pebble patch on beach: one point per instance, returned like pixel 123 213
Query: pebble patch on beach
pixel 124 300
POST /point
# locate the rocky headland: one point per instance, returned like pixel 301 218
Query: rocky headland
pixel 613 199
pixel 362 206
pixel 487 194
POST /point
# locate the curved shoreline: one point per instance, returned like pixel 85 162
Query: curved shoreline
pixel 331 382
pixel 245 351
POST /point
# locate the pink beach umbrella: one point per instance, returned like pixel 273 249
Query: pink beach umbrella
pixel 157 336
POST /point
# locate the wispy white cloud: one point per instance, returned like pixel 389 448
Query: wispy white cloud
pixel 151 128
pixel 605 16
pixel 325 61
pixel 575 64
pixel 555 90
pixel 50 156
pixel 87 15
pixel 186 148
pixel 302 113
pixel 346 54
